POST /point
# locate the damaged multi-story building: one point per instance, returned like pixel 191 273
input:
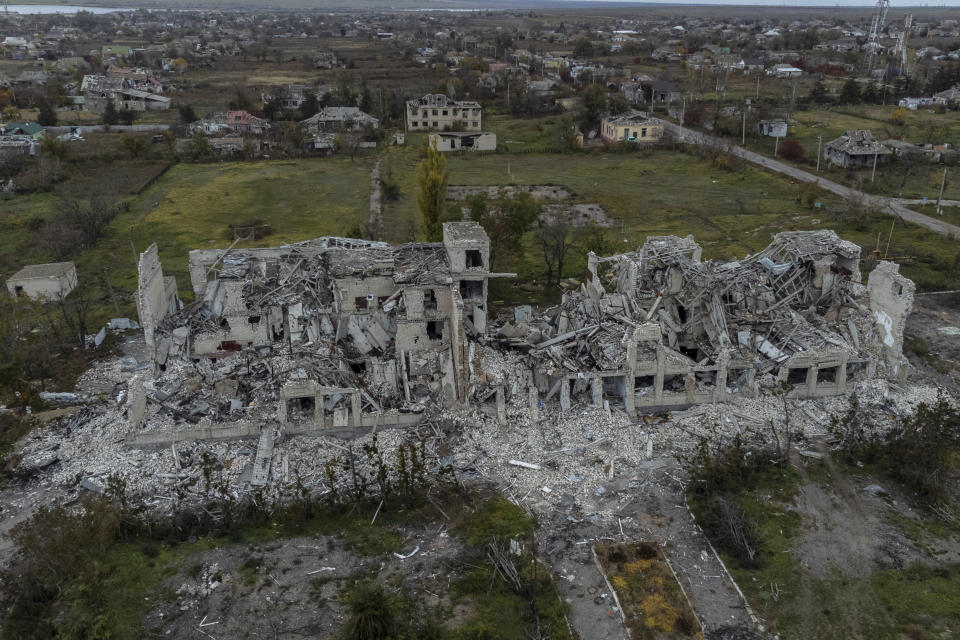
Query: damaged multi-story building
pixel 349 332
pixel 671 329
pixel 334 333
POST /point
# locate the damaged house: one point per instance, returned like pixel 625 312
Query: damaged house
pixel 342 332
pixel 673 330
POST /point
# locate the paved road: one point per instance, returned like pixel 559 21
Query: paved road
pixel 891 206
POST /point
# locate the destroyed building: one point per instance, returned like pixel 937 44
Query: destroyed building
pixel 674 330
pixel 336 333
pixel 347 331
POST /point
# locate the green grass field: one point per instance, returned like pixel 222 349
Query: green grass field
pixel 192 206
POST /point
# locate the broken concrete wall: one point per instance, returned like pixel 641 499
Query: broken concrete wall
pixel 155 295
pixel 891 299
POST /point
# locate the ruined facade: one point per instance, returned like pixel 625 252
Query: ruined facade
pixel 353 329
pixel 336 333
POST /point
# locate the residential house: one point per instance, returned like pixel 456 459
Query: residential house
pixel 951 96
pixel 243 123
pixel 437 112
pixel 855 149
pixel 31 129
pixel 784 71
pixel 662 92
pixel 631 126
pixel 339 119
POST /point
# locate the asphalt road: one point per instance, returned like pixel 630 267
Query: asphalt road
pixel 891 206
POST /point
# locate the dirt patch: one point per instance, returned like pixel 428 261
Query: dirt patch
pixel 576 215
pixel 289 588
pixel 539 191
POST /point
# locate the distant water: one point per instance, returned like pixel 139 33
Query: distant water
pixel 58 8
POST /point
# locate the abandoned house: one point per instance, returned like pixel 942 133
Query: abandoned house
pixel 331 119
pixel 462 141
pixel 632 126
pixel 52 281
pixel 437 112
pixel 855 149
pixel 124 92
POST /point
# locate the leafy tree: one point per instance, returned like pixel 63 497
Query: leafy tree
pixel 47 115
pixel 850 94
pixel 366 100
pixel 187 114
pixel 432 192
pixel 54 147
pixel 594 104
pixel 790 149
pixel 871 93
pixel 309 107
pixel 819 95
pixel 583 49
pixel 127 116
pixel 272 107
pixel 110 115
pixel 179 65
pixel 899 116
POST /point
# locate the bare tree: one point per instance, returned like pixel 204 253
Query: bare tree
pixel 555 242
pixel 74 310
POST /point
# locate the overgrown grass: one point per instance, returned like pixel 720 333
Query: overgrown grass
pixel 651 598
pixel 886 604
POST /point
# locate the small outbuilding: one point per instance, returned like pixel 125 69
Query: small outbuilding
pixel 464 141
pixel 49 282
pixel 776 128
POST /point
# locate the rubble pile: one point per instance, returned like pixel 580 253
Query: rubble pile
pixel 667 329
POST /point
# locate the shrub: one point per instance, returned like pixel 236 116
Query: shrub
pixel 791 150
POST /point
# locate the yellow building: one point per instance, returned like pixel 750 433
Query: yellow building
pixel 631 126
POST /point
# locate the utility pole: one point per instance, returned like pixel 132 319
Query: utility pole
pixel 776 143
pixel 819 140
pixel 873 174
pixel 113 296
pixel 683 109
pixel 758 85
pixel 743 128
pixel 943 183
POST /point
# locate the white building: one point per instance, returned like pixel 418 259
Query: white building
pixel 50 282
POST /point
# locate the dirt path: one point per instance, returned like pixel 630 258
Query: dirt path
pixel 375 224
pixel 891 206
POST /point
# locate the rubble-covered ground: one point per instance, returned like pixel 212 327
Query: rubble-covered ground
pixel 588 474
